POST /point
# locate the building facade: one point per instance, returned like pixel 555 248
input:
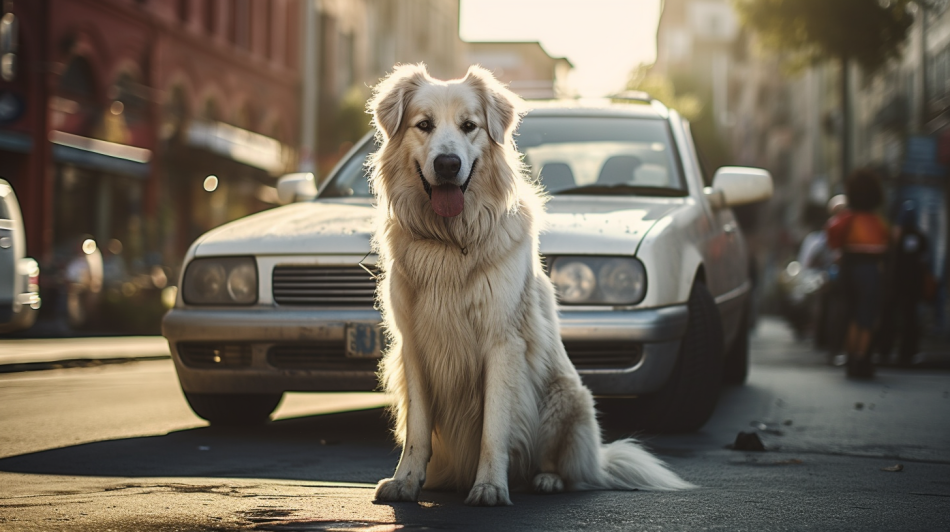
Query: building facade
pixel 130 127
pixel 793 123
pixel 358 42
pixel 140 124
pixel 525 67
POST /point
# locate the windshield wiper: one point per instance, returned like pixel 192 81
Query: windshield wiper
pixel 623 189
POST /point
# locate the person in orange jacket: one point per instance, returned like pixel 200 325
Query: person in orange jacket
pixel 863 238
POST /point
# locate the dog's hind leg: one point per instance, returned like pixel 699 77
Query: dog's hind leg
pixel 410 474
pixel 570 438
pixel 582 461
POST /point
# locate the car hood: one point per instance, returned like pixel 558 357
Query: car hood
pixel 324 227
pixel 597 225
pixel 575 225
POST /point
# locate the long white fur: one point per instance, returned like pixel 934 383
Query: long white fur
pixel 484 392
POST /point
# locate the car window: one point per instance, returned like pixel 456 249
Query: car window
pixel 600 155
pixel 569 155
pixel 353 178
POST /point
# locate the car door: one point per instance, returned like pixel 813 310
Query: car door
pixel 724 252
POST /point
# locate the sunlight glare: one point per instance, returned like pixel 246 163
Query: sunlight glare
pixel 604 39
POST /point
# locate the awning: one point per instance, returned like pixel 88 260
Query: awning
pixel 100 155
pixel 241 145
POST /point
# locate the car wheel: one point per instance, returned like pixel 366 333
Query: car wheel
pixel 688 398
pixel 736 364
pixel 234 409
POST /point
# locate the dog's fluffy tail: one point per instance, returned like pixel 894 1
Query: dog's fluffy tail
pixel 625 465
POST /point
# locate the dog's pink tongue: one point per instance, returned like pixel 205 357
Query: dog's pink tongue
pixel 447 200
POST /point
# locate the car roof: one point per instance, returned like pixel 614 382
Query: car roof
pixel 597 107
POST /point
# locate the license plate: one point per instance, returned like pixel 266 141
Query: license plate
pixel 364 340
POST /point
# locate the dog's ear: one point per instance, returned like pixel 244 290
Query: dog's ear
pixel 503 108
pixel 391 96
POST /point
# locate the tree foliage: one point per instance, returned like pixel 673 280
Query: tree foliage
pixel 869 32
pixel 663 89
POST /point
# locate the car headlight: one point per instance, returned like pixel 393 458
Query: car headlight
pixel 599 280
pixel 221 281
pixel 574 280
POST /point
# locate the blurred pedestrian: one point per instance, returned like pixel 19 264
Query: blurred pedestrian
pixel 907 285
pixel 862 236
pixel 831 321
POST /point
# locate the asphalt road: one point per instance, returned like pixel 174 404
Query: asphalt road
pixel 116 447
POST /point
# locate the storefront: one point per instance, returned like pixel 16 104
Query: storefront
pixel 211 173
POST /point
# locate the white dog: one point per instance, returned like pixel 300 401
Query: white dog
pixel 484 391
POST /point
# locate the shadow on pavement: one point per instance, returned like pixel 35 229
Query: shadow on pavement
pixel 345 447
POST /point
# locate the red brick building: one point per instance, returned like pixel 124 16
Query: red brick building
pixel 113 113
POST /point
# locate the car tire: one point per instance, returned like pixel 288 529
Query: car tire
pixel 687 400
pixel 735 368
pixel 234 409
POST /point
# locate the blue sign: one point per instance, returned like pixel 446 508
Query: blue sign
pixel 931 211
pixel 11 108
pixel 920 158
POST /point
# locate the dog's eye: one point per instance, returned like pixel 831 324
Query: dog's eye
pixel 425 125
pixel 469 126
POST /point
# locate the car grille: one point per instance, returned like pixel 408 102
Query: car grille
pixel 328 356
pixel 324 286
pixel 604 355
pixel 215 355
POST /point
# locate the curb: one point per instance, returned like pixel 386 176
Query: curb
pixel 75 363
pixel 57 353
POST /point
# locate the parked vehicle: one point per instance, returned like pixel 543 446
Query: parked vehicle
pixel 801 290
pixel 649 264
pixel 19 274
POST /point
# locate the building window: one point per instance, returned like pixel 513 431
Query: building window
pixel 268 28
pixel 290 37
pixel 210 110
pixel 77 79
pixel 211 12
pixel 74 108
pixel 133 97
pixel 175 113
pixel 183 6
pixel 239 24
pixel 243 117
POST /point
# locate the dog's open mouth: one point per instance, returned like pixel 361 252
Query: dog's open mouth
pixel 447 200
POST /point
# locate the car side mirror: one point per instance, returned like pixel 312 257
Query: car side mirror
pixel 737 185
pixel 296 187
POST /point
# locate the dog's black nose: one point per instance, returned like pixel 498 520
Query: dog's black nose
pixel 447 166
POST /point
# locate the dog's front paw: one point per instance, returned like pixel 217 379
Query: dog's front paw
pixel 488 495
pixel 548 483
pixel 392 490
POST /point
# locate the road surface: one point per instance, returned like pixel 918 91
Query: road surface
pixel 116 447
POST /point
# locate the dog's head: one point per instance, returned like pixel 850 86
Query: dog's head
pixel 442 141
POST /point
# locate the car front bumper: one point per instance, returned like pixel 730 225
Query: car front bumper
pixel 258 333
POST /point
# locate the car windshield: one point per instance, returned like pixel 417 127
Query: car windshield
pixel 594 155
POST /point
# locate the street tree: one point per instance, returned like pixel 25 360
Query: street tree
pixel 866 32
pixel 663 89
pixel 686 96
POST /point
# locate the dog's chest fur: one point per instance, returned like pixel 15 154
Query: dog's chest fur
pixel 451 305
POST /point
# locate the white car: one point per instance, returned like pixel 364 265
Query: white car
pixel 19 274
pixel 649 263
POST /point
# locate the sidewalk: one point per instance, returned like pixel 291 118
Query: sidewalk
pixel 773 334
pixel 32 354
